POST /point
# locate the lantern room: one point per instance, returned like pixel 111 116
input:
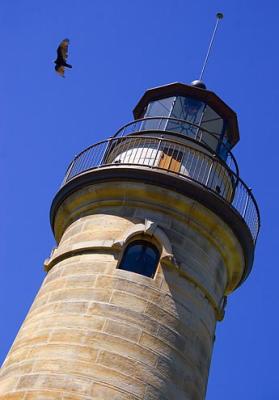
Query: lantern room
pixel 192 111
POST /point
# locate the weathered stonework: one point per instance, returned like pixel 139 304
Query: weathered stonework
pixel 97 332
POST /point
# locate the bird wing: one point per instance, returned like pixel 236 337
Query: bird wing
pixel 62 50
pixel 60 70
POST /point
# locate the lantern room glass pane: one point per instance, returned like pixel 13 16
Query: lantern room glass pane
pixel 158 108
pixel 189 110
pixel 140 257
pixel 212 124
pixel 212 121
pixel 224 148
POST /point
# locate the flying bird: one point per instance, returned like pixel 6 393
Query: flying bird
pixel 62 55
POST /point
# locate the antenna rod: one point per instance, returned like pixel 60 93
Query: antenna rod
pixel 218 17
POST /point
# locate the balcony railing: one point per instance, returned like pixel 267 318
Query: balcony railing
pixel 181 128
pixel 177 158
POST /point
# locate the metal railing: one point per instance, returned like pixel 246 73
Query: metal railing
pixel 181 128
pixel 178 158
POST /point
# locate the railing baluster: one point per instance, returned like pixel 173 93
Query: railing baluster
pixel 246 205
pixel 209 173
pixel 68 172
pixel 157 152
pixel 104 153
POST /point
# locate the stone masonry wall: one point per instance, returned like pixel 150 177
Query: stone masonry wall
pixel 97 332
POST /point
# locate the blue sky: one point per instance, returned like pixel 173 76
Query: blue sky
pixel 118 50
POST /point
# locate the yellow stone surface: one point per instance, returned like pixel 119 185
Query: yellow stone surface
pixel 97 332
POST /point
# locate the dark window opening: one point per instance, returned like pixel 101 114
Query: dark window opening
pixel 140 257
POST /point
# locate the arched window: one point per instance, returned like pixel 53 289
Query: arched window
pixel 141 257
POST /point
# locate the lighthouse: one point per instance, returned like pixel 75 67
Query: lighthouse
pixel 155 229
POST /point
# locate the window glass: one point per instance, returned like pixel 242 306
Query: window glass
pixel 187 109
pixel 158 108
pixel 212 121
pixel 140 257
pixel 224 148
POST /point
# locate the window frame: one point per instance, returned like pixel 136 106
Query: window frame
pixel 148 240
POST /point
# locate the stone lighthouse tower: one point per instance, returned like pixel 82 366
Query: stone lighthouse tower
pixel 154 229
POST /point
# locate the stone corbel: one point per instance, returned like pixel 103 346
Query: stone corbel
pixel 117 244
pixel 48 259
pixel 169 259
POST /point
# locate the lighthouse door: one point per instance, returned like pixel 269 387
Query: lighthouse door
pixel 171 159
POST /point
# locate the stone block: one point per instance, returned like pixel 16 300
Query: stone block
pixel 16 356
pixel 39 314
pixel 162 316
pixel 71 307
pixel 151 393
pixel 56 382
pixel 40 300
pixel 124 315
pixel 79 368
pixel 174 339
pixel 128 301
pixel 27 382
pixel 73 322
pixel 155 344
pixel 80 294
pixel 120 381
pixel 103 392
pixel 103 341
pixel 76 281
pixel 66 351
pixel 14 396
pixel 58 283
pixel 44 395
pixel 101 233
pixel 129 367
pixel 63 336
pixel 193 390
pixel 52 274
pixel 72 230
pixel 8 384
pixel 128 331
pixel 134 285
pixel 31 341
pixel 73 259
pixel 75 397
pixel 89 267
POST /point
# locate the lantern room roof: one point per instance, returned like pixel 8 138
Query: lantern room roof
pixel 181 89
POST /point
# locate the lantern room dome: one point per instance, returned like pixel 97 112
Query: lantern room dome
pixel 198 83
